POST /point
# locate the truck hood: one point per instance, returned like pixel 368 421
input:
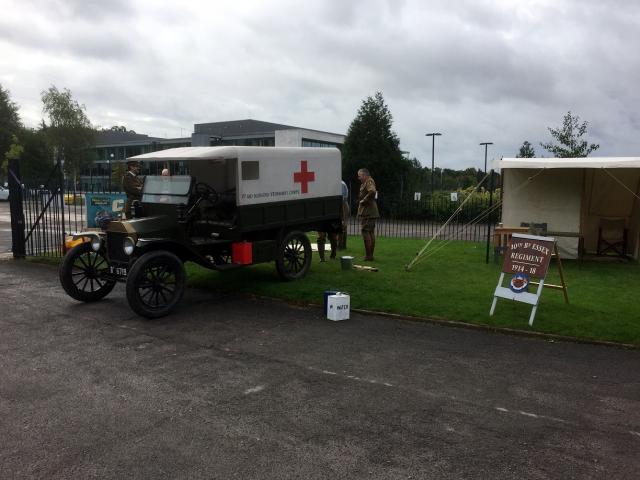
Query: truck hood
pixel 142 227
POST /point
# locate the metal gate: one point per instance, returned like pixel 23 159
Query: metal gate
pixel 44 211
pixel 37 213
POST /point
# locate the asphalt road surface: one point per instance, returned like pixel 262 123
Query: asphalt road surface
pixel 234 387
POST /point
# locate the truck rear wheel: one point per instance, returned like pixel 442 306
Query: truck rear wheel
pixel 293 257
pixel 81 274
pixel 155 284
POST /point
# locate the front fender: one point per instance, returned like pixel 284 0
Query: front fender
pixel 91 235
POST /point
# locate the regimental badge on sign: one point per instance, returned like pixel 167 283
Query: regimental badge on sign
pixel 519 283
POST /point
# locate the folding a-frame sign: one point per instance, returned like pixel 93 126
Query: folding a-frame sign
pixel 527 256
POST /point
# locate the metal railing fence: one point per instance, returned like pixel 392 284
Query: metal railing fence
pixel 52 212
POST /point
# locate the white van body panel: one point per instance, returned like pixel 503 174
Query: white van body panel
pixel 271 174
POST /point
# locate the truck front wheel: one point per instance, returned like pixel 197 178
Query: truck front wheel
pixel 294 256
pixel 155 284
pixel 83 274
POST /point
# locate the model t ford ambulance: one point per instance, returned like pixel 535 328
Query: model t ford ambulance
pixel 237 206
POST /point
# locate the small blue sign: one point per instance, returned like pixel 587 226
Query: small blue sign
pixel 100 205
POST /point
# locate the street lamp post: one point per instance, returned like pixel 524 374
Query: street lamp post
pixel 433 147
pixel 486 144
pixel 109 171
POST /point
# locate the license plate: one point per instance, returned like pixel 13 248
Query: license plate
pixel 120 271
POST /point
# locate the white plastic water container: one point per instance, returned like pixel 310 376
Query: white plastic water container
pixel 338 306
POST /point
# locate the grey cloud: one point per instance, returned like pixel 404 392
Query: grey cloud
pixel 95 11
pixel 477 70
pixel 70 36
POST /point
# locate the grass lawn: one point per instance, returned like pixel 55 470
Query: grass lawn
pixel 456 284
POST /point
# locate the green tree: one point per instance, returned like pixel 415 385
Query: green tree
pixel 570 144
pixel 526 151
pixel 370 143
pixel 35 162
pixel 69 133
pixel 9 125
pixel 13 153
pixel 118 128
pixel 30 148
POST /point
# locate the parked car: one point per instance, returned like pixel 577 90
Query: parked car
pixel 238 206
pixel 4 194
pixel 73 198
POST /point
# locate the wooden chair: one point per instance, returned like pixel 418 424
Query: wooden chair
pixel 612 237
pixel 502 239
pixel 539 229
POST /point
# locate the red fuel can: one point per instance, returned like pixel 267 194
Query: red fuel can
pixel 242 253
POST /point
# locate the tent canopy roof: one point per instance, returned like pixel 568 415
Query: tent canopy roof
pixel 583 162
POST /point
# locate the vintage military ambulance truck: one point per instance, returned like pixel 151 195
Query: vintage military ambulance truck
pixel 237 206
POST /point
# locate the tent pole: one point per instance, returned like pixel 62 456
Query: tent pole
pixel 489 217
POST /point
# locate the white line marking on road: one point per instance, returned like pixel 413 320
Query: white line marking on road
pixel 526 414
pixel 351 377
pixel 257 389
pixel 637 434
pixel 531 415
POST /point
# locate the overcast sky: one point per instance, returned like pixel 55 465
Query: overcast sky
pixel 475 70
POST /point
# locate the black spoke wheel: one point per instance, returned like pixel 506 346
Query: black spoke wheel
pixel 155 284
pixel 293 258
pixel 82 274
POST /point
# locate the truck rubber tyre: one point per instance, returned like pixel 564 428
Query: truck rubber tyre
pixel 155 284
pixel 81 274
pixel 293 257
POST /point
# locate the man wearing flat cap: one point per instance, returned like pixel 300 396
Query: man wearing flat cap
pixel 132 186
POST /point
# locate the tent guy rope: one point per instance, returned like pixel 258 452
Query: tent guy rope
pixel 423 254
pixel 442 227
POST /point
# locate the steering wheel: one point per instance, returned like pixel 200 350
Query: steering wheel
pixel 206 192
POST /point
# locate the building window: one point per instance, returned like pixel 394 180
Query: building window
pixel 318 143
pixel 133 151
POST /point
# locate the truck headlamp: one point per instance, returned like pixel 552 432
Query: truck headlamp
pixel 96 243
pixel 128 245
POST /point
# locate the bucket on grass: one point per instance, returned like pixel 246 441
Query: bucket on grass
pixel 346 262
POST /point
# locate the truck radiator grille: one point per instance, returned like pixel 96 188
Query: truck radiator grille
pixel 114 247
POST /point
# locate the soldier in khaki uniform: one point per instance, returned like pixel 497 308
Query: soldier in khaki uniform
pixel 132 186
pixel 333 242
pixel 367 212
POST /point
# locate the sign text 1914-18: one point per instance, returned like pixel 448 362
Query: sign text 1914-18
pixel 530 256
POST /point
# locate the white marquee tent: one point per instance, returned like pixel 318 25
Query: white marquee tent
pixel 573 195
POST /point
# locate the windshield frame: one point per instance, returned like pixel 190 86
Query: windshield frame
pixel 167 189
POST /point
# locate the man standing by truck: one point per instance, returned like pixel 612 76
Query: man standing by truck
pixel 336 239
pixel 132 186
pixel 367 212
